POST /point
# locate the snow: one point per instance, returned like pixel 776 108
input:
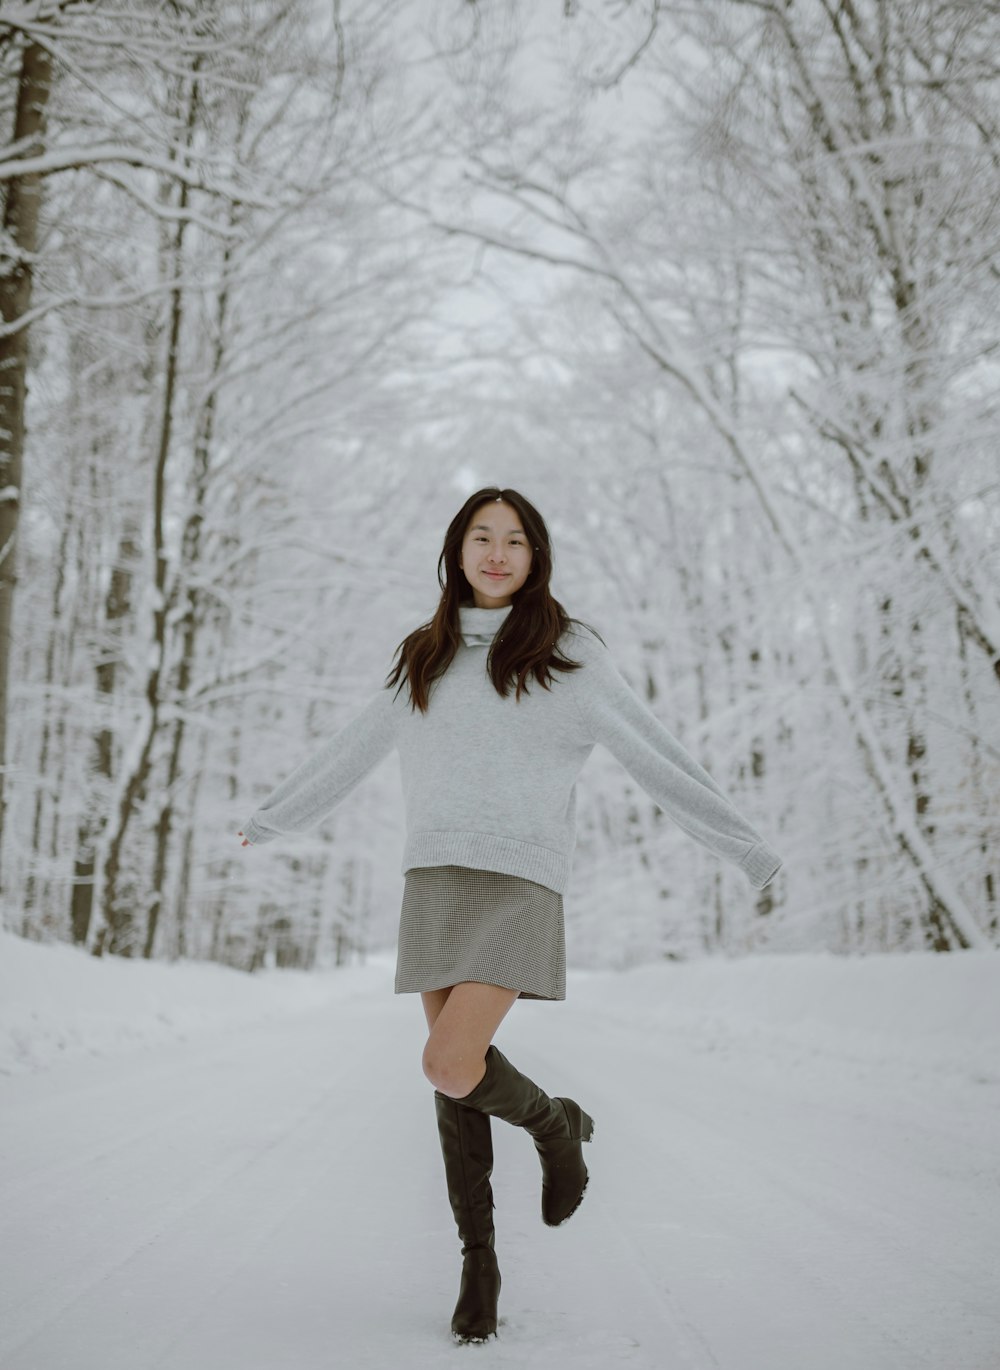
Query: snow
pixel 58 1003
pixel 796 1166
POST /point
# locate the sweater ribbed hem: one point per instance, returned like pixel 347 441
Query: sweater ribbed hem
pixel 761 865
pixel 488 852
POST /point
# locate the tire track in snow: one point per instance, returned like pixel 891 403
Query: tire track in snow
pixel 612 1278
pixel 247 1150
pixel 787 1243
pixel 283 1203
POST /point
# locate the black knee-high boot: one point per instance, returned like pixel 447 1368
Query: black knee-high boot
pixel 467 1148
pixel 559 1127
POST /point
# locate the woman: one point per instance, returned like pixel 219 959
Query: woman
pixel 505 699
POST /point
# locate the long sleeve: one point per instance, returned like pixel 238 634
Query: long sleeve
pixel 615 717
pixel 325 778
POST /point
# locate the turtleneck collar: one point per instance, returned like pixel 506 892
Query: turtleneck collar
pixel 479 626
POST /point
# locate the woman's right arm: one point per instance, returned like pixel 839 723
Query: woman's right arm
pixel 328 776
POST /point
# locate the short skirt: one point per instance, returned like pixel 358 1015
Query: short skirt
pixel 460 924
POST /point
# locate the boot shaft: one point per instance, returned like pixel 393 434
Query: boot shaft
pixel 558 1126
pixel 467 1150
pixel 505 1093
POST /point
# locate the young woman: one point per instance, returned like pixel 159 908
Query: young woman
pixel 494 706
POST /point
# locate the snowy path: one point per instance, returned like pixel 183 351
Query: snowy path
pixel 271 1198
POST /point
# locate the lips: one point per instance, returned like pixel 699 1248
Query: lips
pixel 497 575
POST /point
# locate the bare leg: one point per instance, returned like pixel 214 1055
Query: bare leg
pixel 462 1021
pixel 434 1001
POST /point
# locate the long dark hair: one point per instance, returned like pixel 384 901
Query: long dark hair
pixel 531 631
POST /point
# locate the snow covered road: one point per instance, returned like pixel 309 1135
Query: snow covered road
pixel 783 1178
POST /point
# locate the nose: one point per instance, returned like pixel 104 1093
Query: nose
pixel 497 555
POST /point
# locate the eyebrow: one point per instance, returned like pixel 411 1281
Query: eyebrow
pixel 486 529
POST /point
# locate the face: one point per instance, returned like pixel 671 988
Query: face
pixel 496 555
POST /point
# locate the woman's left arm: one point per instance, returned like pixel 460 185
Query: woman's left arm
pixel 669 774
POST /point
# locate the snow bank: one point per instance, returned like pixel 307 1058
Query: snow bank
pixel 56 1002
pixel 918 1013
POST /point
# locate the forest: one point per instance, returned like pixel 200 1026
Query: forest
pixel 716 285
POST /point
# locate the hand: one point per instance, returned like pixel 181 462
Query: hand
pixel 244 843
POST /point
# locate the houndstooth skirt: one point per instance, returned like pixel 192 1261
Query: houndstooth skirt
pixel 461 924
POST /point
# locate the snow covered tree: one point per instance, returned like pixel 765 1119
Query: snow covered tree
pixel 788 234
pixel 22 191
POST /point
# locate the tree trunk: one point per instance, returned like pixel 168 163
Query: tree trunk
pixel 20 225
pixel 191 551
pixel 55 631
pixel 116 931
pixel 117 606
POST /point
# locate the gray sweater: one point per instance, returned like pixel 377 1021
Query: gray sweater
pixel 491 783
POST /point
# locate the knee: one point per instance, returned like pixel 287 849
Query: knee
pixel 451 1072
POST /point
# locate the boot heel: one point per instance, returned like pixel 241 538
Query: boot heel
pixel 564 1173
pixel 581 1125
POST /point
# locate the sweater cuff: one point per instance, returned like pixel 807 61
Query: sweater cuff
pixel 255 834
pixel 761 865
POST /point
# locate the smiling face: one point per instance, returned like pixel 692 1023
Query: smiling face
pixel 496 555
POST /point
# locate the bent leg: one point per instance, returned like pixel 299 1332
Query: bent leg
pixel 558 1125
pixel 460 1034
